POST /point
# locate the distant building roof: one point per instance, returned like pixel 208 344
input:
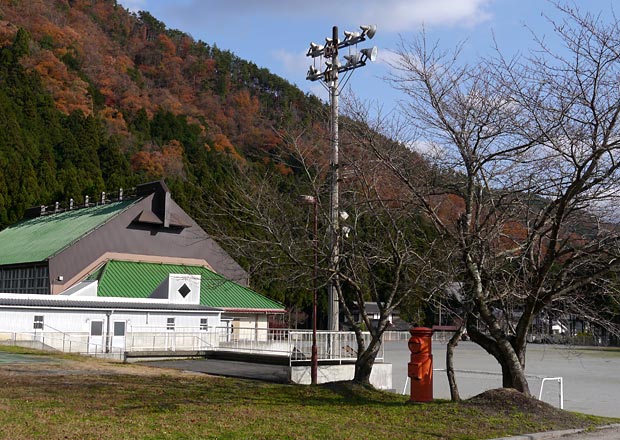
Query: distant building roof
pixel 129 279
pixel 40 238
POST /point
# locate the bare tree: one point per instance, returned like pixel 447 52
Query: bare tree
pixel 385 249
pixel 389 256
pixel 525 171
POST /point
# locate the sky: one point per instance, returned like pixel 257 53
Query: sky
pixel 276 34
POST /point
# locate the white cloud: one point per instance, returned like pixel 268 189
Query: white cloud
pixel 387 56
pixel 135 5
pixel 404 15
pixel 389 15
pixel 427 149
pixel 292 62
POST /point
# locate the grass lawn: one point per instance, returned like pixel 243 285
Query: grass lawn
pixel 82 398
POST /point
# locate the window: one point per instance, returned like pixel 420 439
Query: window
pixel 25 279
pixel 96 328
pixel 38 322
pixel 204 324
pixel 119 328
pixel 170 324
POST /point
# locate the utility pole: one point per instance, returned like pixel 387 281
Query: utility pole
pixel 329 76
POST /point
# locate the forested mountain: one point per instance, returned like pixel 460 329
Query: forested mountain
pixel 93 98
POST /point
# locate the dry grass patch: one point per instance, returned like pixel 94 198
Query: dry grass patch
pixel 83 398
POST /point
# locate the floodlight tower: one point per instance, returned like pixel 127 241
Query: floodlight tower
pixel 327 56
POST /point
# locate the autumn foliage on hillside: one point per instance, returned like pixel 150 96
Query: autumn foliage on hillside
pixel 155 103
pixel 95 57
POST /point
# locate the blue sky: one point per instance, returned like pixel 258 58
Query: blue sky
pixel 276 33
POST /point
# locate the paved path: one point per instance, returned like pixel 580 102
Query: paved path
pixel 591 379
pixel 611 433
pixel 605 433
pixel 271 373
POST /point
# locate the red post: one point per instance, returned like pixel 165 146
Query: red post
pixel 421 366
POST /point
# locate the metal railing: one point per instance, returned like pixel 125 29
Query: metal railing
pixel 331 346
pixel 295 345
pixel 78 343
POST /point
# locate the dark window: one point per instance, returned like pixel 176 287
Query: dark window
pixel 96 328
pixel 119 328
pixel 27 279
pixel 38 322
pixel 204 324
pixel 170 325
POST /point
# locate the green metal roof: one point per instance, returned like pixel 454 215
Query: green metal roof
pixel 129 279
pixel 39 238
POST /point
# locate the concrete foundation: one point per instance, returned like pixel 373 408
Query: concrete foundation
pixel 380 378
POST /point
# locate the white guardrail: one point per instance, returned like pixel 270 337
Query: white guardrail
pixel 296 345
pixel 78 343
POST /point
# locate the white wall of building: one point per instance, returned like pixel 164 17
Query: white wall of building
pixel 248 326
pixel 90 328
pixel 77 321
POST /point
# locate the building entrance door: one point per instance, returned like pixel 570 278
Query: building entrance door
pixel 95 339
pixel 118 335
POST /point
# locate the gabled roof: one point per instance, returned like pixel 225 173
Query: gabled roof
pixel 130 279
pixel 42 237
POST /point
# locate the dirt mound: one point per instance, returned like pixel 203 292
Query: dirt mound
pixel 506 400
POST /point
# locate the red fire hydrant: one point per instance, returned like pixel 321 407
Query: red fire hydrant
pixel 421 366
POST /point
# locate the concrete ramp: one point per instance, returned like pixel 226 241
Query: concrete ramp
pixel 381 377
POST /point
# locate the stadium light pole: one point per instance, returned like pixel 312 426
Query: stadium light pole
pixel 327 55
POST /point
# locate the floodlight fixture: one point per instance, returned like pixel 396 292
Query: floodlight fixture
pixel 369 54
pixel 368 30
pixel 313 74
pixel 333 65
pixel 307 199
pixel 346 230
pixel 352 59
pixel 348 36
pixel 315 50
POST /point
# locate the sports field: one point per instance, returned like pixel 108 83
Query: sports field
pixel 590 374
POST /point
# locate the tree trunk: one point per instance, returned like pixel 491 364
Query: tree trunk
pixel 452 343
pixel 364 363
pixel 513 371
